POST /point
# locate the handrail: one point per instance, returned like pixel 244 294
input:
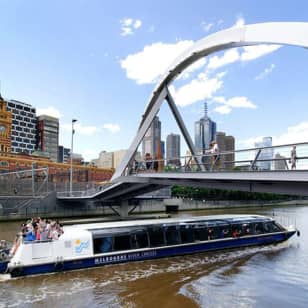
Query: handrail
pixel 189 160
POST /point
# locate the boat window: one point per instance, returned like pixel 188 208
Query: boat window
pixel 247 229
pixel 258 228
pixel 270 227
pixel 156 235
pixel 121 242
pixel 201 233
pixel 236 230
pixel 187 234
pixel 224 231
pixel 215 232
pixel 140 240
pixel 172 235
pixel 102 245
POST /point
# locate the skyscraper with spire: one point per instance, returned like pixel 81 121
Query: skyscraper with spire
pixel 205 132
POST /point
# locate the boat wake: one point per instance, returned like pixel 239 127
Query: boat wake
pixel 109 281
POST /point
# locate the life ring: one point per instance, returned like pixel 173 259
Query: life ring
pixel 3 256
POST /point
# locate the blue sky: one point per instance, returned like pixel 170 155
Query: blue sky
pixel 97 61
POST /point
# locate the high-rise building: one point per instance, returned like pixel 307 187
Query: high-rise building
pixel 48 136
pixel 105 160
pixel 226 144
pixel 63 154
pixel 112 159
pixel 162 149
pixel 205 132
pixel 265 154
pixel 77 159
pixel 280 162
pixel 5 127
pixel 173 149
pixel 152 140
pixel 23 134
pixel 117 157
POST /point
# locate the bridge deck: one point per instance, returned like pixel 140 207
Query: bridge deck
pixel 284 182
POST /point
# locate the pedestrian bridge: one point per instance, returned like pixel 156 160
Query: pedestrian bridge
pixel 262 171
pixel 244 170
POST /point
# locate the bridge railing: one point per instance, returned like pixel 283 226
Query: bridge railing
pixel 84 193
pixel 31 182
pixel 269 158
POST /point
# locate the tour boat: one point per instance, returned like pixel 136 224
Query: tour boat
pixel 97 244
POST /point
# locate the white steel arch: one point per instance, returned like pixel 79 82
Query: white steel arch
pixel 280 33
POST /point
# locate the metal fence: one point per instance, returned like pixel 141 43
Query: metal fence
pixel 32 182
pixel 254 159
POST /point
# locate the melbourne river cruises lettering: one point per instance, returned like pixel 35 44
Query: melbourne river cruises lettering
pixel 125 257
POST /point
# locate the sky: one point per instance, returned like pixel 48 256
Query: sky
pixel 98 61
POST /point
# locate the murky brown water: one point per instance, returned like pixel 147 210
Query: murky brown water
pixel 271 276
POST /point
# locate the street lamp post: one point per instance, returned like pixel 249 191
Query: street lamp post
pixel 72 144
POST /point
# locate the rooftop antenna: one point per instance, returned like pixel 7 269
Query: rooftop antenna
pixel 205 110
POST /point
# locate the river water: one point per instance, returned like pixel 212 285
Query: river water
pixel 270 276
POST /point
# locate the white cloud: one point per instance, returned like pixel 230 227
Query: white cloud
pixel 126 31
pixel 128 25
pixel 266 71
pixel 248 143
pixel 230 56
pixel 224 109
pixel 196 90
pixel 207 26
pixel 137 23
pixel 80 129
pixel 294 134
pixel 147 65
pixel 113 128
pixel 192 68
pixel 248 53
pixel 240 102
pixel 234 102
pixel 257 51
pixel 126 22
pixel 89 154
pixel 240 22
pixel 50 111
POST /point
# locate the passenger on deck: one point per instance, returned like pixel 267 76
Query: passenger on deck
pixel 30 235
pixel 41 230
pixel 210 234
pixel 224 233
pixel 235 233
pixel 247 231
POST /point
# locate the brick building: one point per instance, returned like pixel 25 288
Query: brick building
pixel 5 127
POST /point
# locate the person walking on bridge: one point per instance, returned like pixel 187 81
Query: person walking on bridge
pixel 293 158
pixel 214 150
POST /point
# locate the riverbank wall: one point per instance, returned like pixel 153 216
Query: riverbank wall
pixel 20 208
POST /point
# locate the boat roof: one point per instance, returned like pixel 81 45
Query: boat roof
pixel 160 221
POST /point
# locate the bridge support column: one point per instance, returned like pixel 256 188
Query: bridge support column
pixel 124 209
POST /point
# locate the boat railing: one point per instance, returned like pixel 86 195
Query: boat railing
pixel 285 220
pixel 37 241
